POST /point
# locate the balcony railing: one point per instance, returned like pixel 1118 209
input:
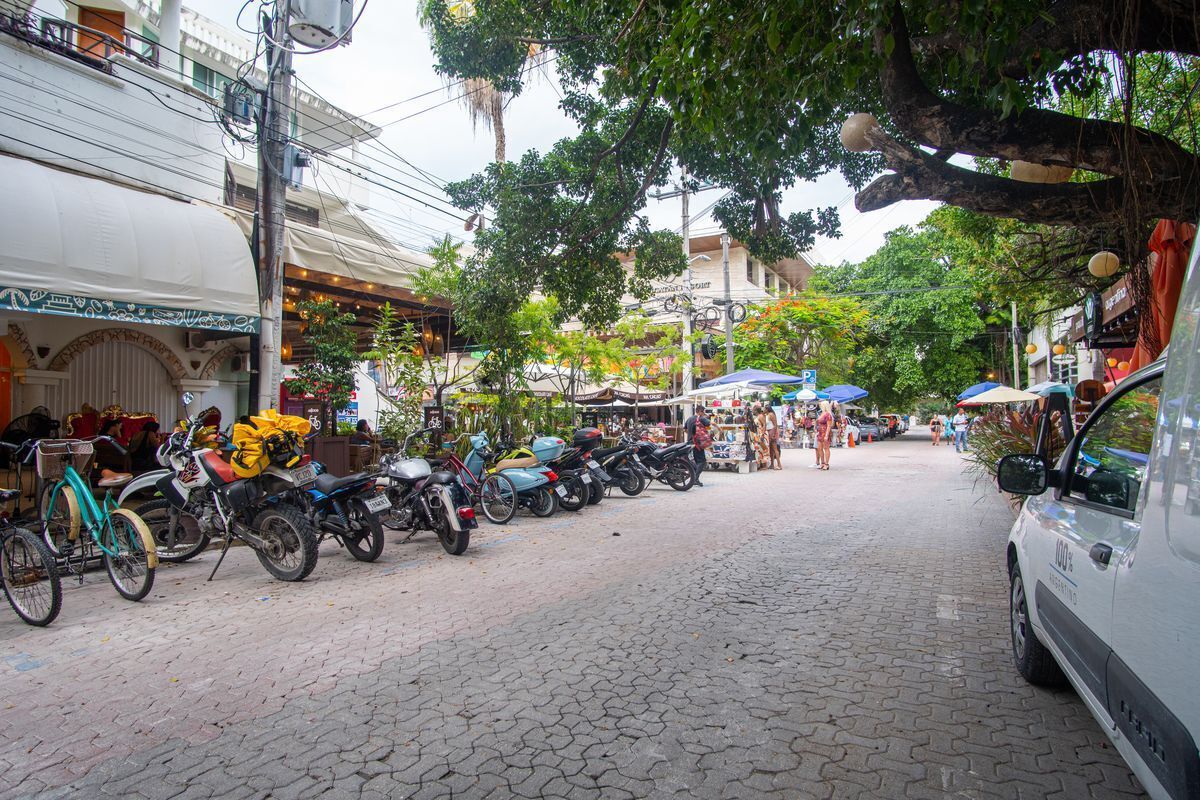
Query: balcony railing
pixel 79 42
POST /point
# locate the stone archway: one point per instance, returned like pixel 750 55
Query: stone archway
pixel 16 335
pixel 218 358
pixel 137 338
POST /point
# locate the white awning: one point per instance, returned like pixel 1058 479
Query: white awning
pixel 78 246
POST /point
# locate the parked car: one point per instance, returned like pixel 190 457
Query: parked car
pixel 868 427
pixel 1126 635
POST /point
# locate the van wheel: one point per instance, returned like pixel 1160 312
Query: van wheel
pixel 1035 663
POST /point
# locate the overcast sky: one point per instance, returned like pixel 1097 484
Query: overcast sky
pixel 390 60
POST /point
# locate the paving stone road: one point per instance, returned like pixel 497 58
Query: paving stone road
pixel 791 634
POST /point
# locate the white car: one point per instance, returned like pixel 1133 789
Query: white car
pixel 1104 563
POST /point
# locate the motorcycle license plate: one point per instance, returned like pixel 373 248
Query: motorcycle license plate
pixel 377 503
pixel 561 491
pixel 304 475
pixel 585 478
pixel 593 463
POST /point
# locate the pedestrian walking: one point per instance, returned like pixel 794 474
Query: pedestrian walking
pixel 697 429
pixel 762 447
pixel 773 438
pixel 824 427
pixel 961 422
pixel 935 429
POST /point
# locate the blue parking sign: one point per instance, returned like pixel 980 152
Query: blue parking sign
pixel 808 376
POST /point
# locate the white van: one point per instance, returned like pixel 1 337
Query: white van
pixel 1104 562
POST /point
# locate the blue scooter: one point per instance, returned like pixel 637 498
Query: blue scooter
pixel 537 486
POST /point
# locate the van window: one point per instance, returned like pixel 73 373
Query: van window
pixel 1111 462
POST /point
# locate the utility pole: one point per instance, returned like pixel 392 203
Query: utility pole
pixel 1016 353
pixel 273 136
pixel 728 305
pixel 688 382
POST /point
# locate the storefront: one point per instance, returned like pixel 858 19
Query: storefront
pixel 115 297
pixel 1108 323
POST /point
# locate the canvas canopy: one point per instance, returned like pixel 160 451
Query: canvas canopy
pixel 77 246
pixel 999 395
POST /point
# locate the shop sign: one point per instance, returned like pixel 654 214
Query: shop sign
pixel 1064 359
pixel 348 415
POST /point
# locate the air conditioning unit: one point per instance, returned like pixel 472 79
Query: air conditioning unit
pixel 240 364
pixel 319 23
pixel 197 340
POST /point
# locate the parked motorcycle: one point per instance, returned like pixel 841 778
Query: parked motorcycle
pixel 203 497
pixel 619 464
pixel 671 465
pixel 348 509
pixel 422 499
pixel 538 488
pixel 577 464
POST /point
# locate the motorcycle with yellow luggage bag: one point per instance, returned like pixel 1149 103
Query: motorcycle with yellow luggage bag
pixel 203 496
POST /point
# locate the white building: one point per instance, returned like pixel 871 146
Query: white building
pixel 126 275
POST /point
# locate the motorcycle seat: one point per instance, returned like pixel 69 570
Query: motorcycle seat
pixel 605 452
pixel 517 463
pixel 328 484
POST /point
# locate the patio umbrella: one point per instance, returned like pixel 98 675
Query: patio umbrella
pixel 1050 387
pixel 998 395
pixel 845 392
pixel 751 376
pixel 806 395
pixel 1170 244
pixel 978 388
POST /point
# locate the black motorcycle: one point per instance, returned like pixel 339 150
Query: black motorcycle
pixel 624 473
pixel 671 465
pixel 348 509
pixel 422 499
pixel 579 472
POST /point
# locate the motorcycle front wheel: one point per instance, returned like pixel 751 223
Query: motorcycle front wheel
pixel 289 546
pixel 498 497
pixel 366 543
pixel 679 474
pixel 631 482
pixel 188 540
pixel 544 502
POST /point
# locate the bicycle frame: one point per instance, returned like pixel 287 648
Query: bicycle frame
pixel 94 517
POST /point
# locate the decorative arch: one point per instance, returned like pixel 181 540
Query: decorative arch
pixel 143 340
pixel 16 335
pixel 218 358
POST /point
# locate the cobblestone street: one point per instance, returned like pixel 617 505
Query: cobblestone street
pixel 793 634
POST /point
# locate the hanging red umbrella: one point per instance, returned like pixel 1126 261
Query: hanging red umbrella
pixel 1170 244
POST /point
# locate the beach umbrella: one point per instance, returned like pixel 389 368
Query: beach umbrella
pixel 845 392
pixel 978 389
pixel 759 376
pixel 999 395
pixel 806 395
pixel 1046 388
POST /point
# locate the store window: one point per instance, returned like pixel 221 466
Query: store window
pixel 1111 463
pixel 750 271
pixel 208 80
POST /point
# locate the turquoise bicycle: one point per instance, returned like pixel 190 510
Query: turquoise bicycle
pixel 69 509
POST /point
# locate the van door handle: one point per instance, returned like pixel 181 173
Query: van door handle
pixel 1101 553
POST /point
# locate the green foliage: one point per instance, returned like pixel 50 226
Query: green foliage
pixel 329 374
pixel 802 331
pixel 648 354
pixel 395 344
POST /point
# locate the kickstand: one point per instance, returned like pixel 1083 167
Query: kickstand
pixel 224 550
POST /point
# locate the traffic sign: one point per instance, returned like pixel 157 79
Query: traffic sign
pixel 808 376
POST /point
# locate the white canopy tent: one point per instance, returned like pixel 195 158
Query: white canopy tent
pixel 84 247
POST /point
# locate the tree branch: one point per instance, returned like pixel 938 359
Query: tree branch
pixel 1036 135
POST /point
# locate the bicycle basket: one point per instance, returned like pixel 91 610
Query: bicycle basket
pixel 53 455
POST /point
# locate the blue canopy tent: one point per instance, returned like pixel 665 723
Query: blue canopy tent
pixel 845 392
pixel 978 388
pixel 751 376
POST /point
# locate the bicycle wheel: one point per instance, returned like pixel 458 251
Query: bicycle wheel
pixel 60 524
pixel 131 565
pixel 29 577
pixel 498 496
pixel 186 541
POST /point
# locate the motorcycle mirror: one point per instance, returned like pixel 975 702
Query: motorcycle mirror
pixel 188 399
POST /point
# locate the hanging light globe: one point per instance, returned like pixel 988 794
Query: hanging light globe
pixel 1112 362
pixel 854 132
pixel 1104 264
pixel 1123 366
pixel 1059 349
pixel 1031 349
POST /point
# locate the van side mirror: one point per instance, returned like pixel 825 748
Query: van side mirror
pixel 1023 473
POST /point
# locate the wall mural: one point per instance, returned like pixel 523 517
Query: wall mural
pixel 40 301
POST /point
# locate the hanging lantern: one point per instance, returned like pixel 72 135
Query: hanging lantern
pixel 854 132
pixel 1112 362
pixel 1123 366
pixel 1029 172
pixel 1031 349
pixel 1059 349
pixel 1104 264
